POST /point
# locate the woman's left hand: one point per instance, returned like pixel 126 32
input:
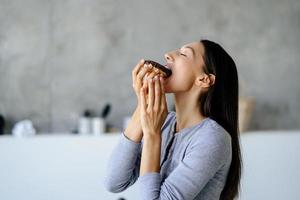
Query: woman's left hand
pixel 154 108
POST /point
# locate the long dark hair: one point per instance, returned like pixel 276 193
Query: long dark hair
pixel 220 103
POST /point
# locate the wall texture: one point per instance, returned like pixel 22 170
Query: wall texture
pixel 58 58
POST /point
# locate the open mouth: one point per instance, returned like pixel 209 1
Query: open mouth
pixel 164 69
pixel 168 66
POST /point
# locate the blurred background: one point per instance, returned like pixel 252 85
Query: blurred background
pixel 65 67
pixel 59 58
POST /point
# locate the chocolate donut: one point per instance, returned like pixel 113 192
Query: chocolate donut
pixel 160 68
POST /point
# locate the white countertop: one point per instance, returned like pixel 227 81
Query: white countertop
pixel 70 166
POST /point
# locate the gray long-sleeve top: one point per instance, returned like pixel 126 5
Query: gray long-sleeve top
pixel 194 163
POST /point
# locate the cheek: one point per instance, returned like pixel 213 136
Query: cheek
pixel 181 80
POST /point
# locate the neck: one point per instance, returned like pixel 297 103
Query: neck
pixel 187 110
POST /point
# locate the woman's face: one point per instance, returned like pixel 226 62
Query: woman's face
pixel 186 64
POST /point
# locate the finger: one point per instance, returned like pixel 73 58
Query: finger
pixel 163 94
pixel 146 77
pixel 143 72
pixel 149 71
pixel 145 87
pixel 157 97
pixel 138 67
pixel 143 99
pixel 151 74
pixel 150 94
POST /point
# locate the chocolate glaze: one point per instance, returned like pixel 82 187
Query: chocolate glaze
pixel 166 71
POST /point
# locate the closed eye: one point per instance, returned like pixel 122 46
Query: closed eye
pixel 182 54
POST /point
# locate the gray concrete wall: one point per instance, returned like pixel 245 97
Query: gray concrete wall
pixel 59 57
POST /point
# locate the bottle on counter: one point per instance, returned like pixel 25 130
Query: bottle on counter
pixel 85 123
pixel 98 126
pixel 99 123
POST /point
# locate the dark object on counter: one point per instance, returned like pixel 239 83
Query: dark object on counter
pixel 2 125
pixel 106 110
pixel 164 70
pixel 87 113
pixel 74 131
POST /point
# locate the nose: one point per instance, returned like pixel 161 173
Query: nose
pixel 167 57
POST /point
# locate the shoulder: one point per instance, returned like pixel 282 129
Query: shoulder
pixel 212 137
pixel 217 132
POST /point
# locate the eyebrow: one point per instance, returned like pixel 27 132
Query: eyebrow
pixel 188 47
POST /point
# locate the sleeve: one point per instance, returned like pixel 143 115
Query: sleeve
pixel 202 160
pixel 123 165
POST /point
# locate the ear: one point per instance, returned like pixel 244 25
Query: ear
pixel 205 80
pixel 212 78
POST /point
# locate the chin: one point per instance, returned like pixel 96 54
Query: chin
pixel 167 86
pixel 169 89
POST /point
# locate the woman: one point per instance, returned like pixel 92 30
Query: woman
pixel 192 153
